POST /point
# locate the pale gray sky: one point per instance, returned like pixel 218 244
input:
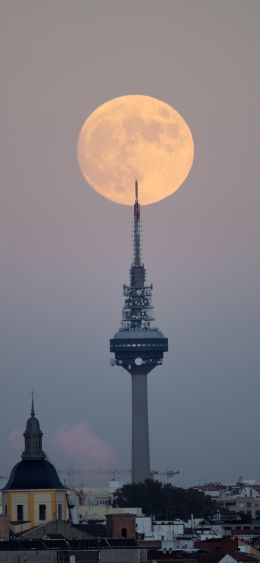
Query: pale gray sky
pixel 65 251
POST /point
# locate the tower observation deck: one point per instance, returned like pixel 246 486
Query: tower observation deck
pixel 138 348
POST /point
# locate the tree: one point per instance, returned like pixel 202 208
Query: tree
pixel 165 502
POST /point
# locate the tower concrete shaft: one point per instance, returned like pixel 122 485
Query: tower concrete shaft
pixel 140 429
pixel 138 348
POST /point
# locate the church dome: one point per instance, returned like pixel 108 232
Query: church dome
pixel 34 471
pixel 33 474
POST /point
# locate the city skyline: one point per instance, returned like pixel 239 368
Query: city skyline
pixel 64 249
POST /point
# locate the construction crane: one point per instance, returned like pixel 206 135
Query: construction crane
pixel 169 473
pixel 69 473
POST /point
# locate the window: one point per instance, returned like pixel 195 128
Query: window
pixel 6 509
pixel 42 511
pixel 59 511
pixel 124 533
pixel 19 510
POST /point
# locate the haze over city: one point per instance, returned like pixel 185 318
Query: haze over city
pixel 66 251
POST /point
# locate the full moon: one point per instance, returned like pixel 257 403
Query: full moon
pixel 135 137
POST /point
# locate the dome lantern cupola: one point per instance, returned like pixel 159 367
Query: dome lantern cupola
pixel 33 438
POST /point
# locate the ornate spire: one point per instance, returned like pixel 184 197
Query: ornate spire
pixel 32 408
pixel 33 437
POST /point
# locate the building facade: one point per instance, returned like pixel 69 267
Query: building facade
pixel 34 492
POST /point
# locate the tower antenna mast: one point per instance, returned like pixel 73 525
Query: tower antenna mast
pixel 137 228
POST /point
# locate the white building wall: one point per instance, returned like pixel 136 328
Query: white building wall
pixel 144 525
pixel 184 543
pixel 167 530
pixel 160 530
pixel 249 492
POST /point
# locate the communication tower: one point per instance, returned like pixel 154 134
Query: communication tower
pixel 138 348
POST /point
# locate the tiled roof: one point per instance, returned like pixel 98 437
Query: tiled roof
pixel 212 487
